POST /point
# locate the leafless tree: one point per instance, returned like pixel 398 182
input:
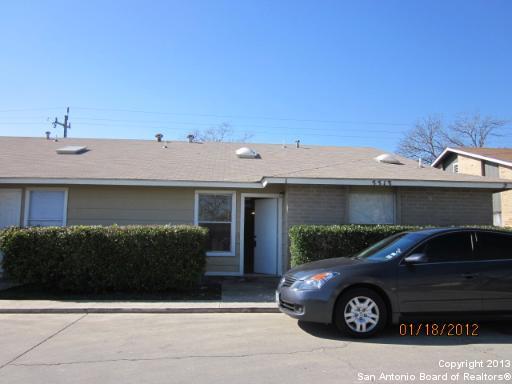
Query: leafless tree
pixel 222 132
pixel 474 131
pixel 429 137
pixel 426 140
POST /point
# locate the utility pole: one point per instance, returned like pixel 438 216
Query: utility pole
pixel 65 124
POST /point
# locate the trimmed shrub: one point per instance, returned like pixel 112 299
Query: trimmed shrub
pixel 315 242
pixel 100 259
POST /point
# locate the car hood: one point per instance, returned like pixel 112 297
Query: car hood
pixel 336 264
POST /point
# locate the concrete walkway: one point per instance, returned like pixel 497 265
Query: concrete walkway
pixel 239 295
pixel 49 306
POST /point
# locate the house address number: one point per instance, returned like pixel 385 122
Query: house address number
pixel 381 183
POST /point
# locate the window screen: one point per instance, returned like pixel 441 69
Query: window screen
pixel 46 208
pixel 371 208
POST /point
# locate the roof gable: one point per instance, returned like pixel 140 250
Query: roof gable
pixel 495 155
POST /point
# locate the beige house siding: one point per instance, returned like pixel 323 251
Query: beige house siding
pixel 107 205
pixel 469 166
pixel 306 204
pixel 94 205
pixel 431 206
pixel 506 197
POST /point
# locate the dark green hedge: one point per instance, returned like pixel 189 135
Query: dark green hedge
pixel 316 242
pixel 98 259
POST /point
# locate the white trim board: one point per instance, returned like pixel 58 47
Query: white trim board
pixel 262 183
pixel 391 183
pixel 130 182
pixel 469 154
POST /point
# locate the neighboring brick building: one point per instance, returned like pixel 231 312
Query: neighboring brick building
pixel 487 162
pixel 247 197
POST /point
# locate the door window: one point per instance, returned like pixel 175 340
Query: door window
pixel 493 246
pixel 448 248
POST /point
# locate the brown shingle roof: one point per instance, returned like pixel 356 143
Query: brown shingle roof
pixel 22 157
pixel 504 154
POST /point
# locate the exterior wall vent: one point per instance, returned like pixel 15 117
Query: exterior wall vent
pixel 388 158
pixel 71 150
pixel 247 153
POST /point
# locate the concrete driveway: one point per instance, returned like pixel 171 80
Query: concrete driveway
pixel 225 348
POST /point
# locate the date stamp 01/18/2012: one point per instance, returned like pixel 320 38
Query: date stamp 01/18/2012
pixel 438 329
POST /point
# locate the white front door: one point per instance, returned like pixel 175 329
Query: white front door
pixel 266 236
pixel 10 207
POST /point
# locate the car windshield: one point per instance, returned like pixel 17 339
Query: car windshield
pixel 390 247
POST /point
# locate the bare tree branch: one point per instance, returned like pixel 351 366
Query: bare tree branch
pixel 474 131
pixel 429 137
pixel 426 140
pixel 221 133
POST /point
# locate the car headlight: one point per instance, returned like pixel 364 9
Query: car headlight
pixel 314 282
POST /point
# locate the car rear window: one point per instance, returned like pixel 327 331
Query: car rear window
pixel 493 246
pixel 448 248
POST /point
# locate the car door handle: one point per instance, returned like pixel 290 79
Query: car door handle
pixel 470 275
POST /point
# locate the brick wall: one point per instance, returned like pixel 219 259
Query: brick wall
pixel 315 204
pixel 469 166
pixel 415 206
pixel 506 197
pixel 439 206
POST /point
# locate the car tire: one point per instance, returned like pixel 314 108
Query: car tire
pixel 360 313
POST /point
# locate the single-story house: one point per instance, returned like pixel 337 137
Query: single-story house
pixel 487 162
pixel 248 195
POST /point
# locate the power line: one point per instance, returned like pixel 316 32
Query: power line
pixel 242 116
pixel 248 126
pixel 28 109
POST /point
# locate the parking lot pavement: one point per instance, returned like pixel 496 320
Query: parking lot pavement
pixel 224 348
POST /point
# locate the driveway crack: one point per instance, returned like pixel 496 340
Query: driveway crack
pixel 248 355
pixel 11 362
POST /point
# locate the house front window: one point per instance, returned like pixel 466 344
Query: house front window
pixel 371 207
pixel 216 211
pixel 45 207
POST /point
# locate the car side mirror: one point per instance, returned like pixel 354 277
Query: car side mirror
pixel 415 258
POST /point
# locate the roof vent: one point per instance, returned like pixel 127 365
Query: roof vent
pixel 247 153
pixel 71 150
pixel 388 159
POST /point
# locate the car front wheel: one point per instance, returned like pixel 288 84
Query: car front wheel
pixel 360 313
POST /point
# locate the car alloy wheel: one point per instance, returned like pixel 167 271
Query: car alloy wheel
pixel 361 314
